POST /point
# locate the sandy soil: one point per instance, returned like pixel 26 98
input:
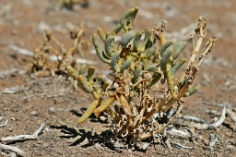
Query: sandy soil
pixel 51 100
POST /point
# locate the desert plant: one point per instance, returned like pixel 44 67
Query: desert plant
pixel 48 59
pixel 69 4
pixel 144 81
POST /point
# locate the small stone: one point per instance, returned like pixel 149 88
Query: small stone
pixel 11 129
pixel 102 118
pixel 13 118
pixel 12 154
pixel 45 145
pixel 52 109
pixel 38 153
pixel 59 151
pixel 97 146
pixel 47 129
pixel 34 113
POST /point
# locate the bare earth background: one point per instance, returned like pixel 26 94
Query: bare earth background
pixel 21 23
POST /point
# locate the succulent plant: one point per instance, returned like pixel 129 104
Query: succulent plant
pixel 144 77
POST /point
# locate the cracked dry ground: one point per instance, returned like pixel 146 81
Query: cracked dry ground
pixel 34 104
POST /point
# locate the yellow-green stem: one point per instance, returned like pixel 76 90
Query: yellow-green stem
pixel 88 112
pixel 104 104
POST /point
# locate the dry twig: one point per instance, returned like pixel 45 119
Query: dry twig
pixel 13 90
pixel 180 145
pixel 13 149
pixel 192 118
pixel 52 57
pixel 23 137
pixel 205 125
pixel 213 140
pixel 176 132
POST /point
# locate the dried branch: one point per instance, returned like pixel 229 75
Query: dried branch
pixel 192 118
pixel 213 140
pixel 204 125
pixel 176 132
pixel 180 145
pixel 51 57
pixel 13 90
pixel 13 149
pixel 24 137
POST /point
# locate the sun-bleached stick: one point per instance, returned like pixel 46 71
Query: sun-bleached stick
pixel 52 57
pixel 13 90
pixel 180 145
pixel 23 137
pixel 176 132
pixel 195 119
pixel 13 149
pixel 213 140
pixel 207 126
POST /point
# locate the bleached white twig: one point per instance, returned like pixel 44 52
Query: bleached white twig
pixel 23 137
pixel 78 60
pixel 191 118
pixel 207 126
pixel 213 140
pixel 13 90
pixel 13 149
pixel 176 132
pixel 167 142
pixel 21 50
pixel 52 57
pixel 221 120
pixel 180 145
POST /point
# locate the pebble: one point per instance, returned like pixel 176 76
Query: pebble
pixel 38 153
pixel 45 145
pixel 13 118
pixel 34 113
pixel 52 109
pixel 59 151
